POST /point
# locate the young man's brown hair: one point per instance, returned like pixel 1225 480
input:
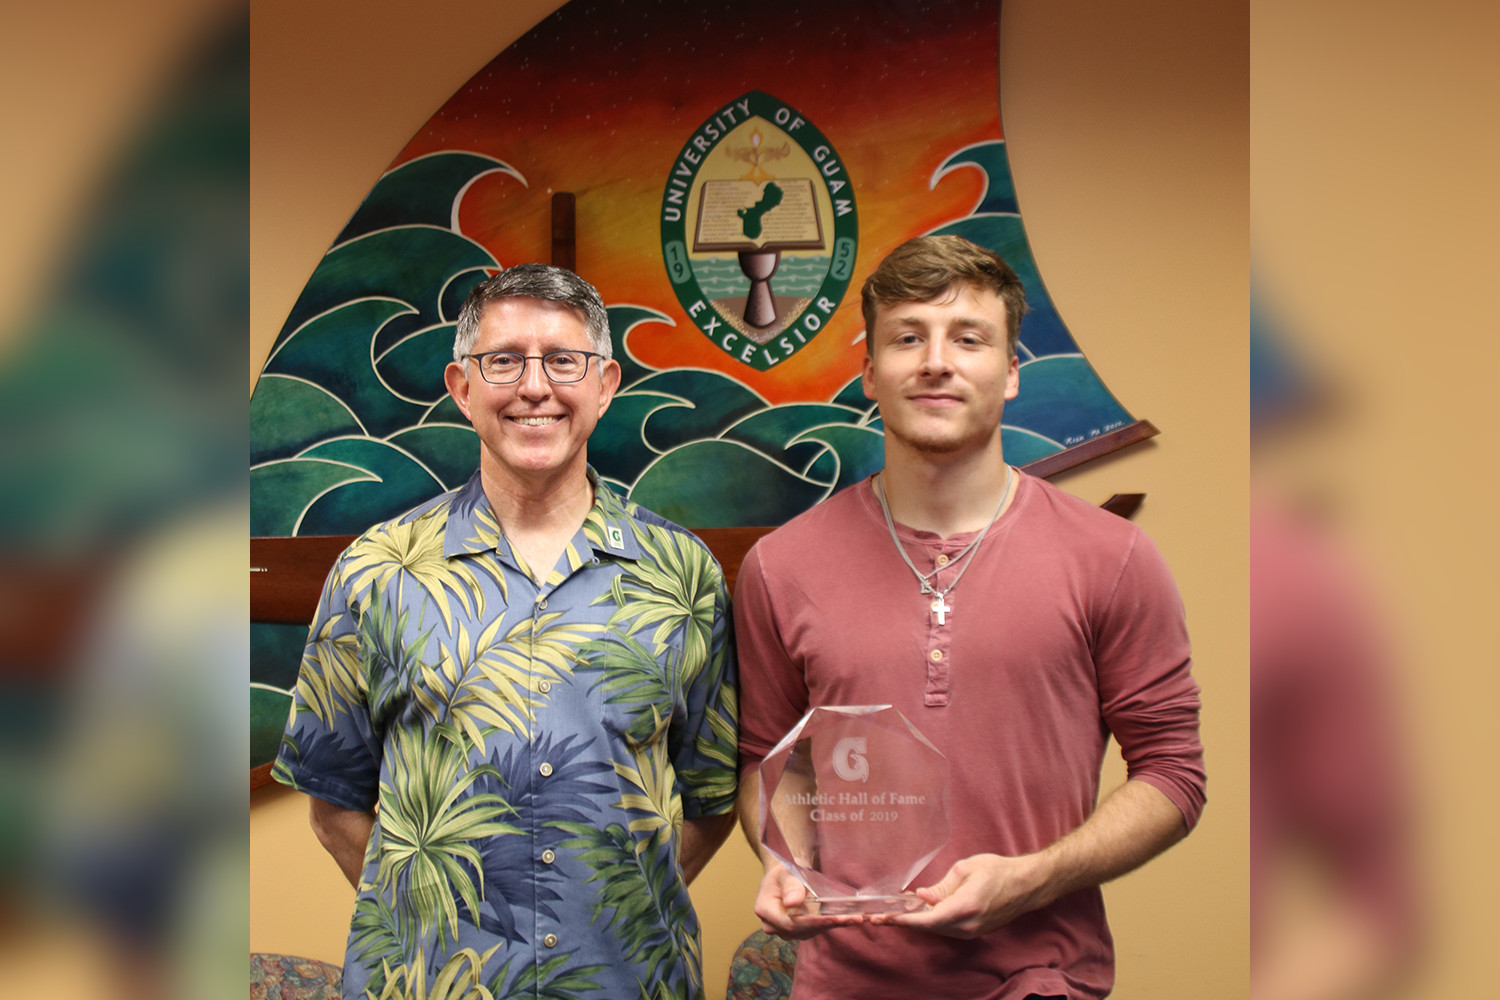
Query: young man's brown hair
pixel 927 266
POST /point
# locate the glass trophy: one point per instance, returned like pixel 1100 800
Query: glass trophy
pixel 854 801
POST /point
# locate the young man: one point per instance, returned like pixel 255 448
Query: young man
pixel 1015 626
pixel 515 713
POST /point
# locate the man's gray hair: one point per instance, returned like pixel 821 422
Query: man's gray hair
pixel 533 281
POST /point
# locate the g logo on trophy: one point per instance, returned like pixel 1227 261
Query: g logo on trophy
pixel 848 759
pixel 854 801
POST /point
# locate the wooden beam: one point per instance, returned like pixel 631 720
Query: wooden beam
pixel 564 230
pixel 1091 449
pixel 286 576
pixel 1124 504
pixel 729 546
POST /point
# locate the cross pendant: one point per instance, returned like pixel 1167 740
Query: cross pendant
pixel 941 608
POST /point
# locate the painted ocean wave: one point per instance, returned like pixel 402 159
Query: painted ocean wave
pixel 351 422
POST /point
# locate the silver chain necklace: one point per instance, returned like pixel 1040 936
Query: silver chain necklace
pixel 940 606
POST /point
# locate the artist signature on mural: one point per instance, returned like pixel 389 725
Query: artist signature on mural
pixel 1072 439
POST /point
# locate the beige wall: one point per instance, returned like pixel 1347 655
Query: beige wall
pixel 1128 130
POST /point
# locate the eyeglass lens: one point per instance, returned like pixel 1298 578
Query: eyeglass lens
pixel 560 366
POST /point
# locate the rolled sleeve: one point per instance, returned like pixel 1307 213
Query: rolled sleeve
pixel 1147 693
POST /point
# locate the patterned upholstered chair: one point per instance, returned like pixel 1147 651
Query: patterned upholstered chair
pixel 286 977
pixel 762 968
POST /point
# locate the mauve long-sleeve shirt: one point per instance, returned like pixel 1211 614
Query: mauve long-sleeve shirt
pixel 1065 629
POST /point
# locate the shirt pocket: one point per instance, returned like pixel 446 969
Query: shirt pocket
pixel 635 692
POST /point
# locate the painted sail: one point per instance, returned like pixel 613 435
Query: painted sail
pixel 739 170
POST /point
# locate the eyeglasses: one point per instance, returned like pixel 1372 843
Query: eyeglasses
pixel 505 367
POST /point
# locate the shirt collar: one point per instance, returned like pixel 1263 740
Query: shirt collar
pixel 608 528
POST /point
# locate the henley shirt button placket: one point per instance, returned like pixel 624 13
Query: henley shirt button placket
pixel 935 693
pixel 935 690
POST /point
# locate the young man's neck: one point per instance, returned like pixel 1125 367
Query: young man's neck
pixel 947 495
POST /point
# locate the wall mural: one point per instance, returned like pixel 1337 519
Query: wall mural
pixel 739 169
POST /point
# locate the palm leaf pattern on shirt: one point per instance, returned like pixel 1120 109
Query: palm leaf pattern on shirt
pixel 541 648
pixel 339 760
pixel 428 827
pixel 664 991
pixel 632 884
pixel 375 937
pixel 549 980
pixel 389 662
pixel 511 882
pixel 658 799
pixel 412 549
pixel 471 688
pixel 631 677
pixel 457 979
pixel 337 680
pixel 717 782
pixel 674 587
pixel 487 531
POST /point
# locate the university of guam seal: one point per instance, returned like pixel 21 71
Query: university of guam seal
pixel 758 229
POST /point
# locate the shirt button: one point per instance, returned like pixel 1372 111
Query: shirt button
pixel 942 559
pixel 546 769
pixel 936 654
pixel 544 686
pixel 548 856
pixel 541 602
pixel 550 940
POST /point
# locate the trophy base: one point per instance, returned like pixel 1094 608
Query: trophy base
pixel 840 906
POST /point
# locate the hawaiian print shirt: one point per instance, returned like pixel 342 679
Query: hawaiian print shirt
pixel 530 752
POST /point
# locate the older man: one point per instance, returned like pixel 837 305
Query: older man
pixel 515 713
pixel 1015 626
